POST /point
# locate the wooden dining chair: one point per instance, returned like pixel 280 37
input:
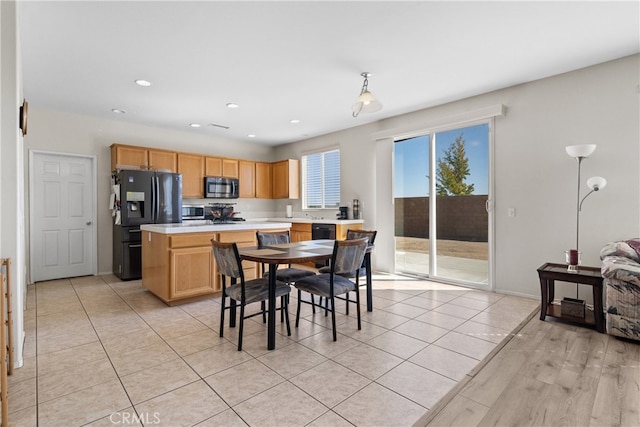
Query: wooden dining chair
pixel 347 256
pixel 244 291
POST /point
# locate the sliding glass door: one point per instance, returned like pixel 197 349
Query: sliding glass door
pixel 441 191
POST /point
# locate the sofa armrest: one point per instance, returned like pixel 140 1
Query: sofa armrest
pixel 621 268
pixel 622 248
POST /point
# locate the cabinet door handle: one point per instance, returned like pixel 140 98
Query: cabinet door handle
pixel 135 246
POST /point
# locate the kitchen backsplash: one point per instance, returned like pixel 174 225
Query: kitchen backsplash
pixel 246 208
pixel 264 208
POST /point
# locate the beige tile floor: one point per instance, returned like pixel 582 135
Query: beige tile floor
pixel 102 352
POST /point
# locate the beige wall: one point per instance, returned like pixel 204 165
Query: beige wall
pixel 61 132
pixel 12 228
pixel 533 174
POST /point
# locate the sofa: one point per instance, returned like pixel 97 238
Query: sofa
pixel 621 274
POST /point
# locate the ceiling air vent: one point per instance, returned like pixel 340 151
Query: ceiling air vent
pixel 218 126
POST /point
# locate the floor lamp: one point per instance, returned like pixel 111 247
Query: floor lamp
pixel 596 183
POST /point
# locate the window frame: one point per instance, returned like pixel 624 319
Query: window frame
pixel 304 176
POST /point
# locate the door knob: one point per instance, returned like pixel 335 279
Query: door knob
pixel 88 222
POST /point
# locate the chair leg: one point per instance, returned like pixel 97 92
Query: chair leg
pixel 264 311
pixel 358 306
pixel 333 318
pixel 282 298
pixel 222 315
pixel 313 303
pixel 346 298
pixel 285 307
pixel 298 309
pixel 241 327
pixel 326 306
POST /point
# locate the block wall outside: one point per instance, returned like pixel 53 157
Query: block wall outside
pixel 458 217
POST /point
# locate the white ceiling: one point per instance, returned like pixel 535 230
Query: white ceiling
pixel 283 60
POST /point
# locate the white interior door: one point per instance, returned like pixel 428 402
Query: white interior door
pixel 62 216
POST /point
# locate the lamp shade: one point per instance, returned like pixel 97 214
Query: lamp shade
pixel 583 150
pixel 366 103
pixel 596 183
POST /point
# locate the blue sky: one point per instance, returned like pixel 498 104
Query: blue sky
pixel 411 158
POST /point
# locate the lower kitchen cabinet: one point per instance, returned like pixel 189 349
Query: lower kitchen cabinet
pixel 192 271
pixel 300 231
pixel 181 267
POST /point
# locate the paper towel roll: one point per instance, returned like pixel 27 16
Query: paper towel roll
pixel 289 211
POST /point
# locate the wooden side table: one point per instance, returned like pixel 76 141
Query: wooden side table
pixel 549 273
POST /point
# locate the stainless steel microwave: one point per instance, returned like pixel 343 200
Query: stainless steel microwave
pixel 221 188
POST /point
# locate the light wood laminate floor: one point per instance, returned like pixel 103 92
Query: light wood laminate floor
pixel 548 374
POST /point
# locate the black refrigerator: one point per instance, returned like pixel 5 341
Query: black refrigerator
pixel 146 197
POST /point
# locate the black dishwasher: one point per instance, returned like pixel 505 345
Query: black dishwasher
pixel 323 231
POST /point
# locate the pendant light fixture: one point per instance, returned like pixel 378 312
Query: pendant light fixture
pixel 366 103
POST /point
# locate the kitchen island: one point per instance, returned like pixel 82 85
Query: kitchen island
pixel 177 259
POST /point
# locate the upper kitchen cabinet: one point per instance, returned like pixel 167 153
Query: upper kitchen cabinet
pixel 230 168
pixel 263 180
pixel 125 155
pixel 247 176
pixel 213 166
pixel 163 160
pixel 191 167
pixel 286 179
pixel 218 166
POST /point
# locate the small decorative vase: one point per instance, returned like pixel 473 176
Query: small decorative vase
pixel 573 259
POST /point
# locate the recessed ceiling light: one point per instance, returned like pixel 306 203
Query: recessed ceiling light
pixel 232 105
pixel 194 125
pixel 117 111
pixel 294 121
pixel 144 83
pixel 251 135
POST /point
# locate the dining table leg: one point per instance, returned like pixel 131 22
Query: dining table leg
pixel 367 265
pixel 271 320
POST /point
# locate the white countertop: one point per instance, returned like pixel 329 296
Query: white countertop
pixel 319 221
pixel 206 227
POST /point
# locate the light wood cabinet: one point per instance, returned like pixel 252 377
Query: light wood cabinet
pixel 192 272
pixel 263 180
pixel 218 166
pixel 341 230
pixel 279 180
pixel 300 231
pixel 213 166
pixel 230 168
pixel 286 179
pixel 125 155
pixel 181 267
pixel 178 267
pixel 191 167
pixel 163 160
pixel 247 178
pixel 243 239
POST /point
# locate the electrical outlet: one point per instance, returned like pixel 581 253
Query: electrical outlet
pixel 511 212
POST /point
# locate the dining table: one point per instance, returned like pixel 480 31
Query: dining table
pixel 295 253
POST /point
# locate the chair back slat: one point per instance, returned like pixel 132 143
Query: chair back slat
pixel 348 255
pixel 359 234
pixel 272 237
pixel 227 258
